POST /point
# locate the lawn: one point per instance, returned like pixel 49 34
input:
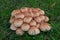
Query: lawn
pixel 51 8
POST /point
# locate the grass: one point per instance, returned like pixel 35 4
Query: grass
pixel 51 8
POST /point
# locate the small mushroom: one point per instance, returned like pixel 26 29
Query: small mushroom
pixel 27 19
pixel 18 22
pixel 15 12
pixel 33 31
pixel 24 9
pixel 11 20
pixel 12 27
pixel 19 15
pixel 33 23
pixel 19 32
pixel 41 12
pixel 45 27
pixel 38 19
pixel 46 19
pixel 35 14
pixel 25 27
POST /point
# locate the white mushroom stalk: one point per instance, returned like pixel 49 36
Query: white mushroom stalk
pixel 30 20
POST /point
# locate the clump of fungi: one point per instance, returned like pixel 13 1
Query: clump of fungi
pixel 31 20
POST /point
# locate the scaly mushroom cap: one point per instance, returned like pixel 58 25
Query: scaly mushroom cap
pixel 18 22
pixel 25 27
pixel 33 31
pixel 12 27
pixel 45 27
pixel 19 32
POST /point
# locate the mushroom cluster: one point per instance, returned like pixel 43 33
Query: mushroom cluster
pixel 30 20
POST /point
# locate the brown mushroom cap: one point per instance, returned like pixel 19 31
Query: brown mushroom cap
pixel 18 22
pixel 38 19
pixel 19 15
pixel 19 32
pixel 45 27
pixel 25 27
pixel 41 12
pixel 24 9
pixel 15 12
pixel 27 19
pixel 33 31
pixel 46 19
pixel 12 27
pixel 33 23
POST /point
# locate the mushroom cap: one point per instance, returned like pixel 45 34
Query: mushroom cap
pixel 19 15
pixel 46 19
pixel 27 19
pixel 33 23
pixel 11 20
pixel 18 22
pixel 33 31
pixel 12 27
pixel 24 9
pixel 14 12
pixel 45 27
pixel 35 14
pixel 25 27
pixel 19 32
pixel 41 12
pixel 38 19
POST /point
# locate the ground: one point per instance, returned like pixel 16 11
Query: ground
pixel 51 8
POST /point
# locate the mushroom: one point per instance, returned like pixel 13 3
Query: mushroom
pixel 27 19
pixel 38 19
pixel 18 22
pixel 19 32
pixel 24 9
pixel 46 19
pixel 25 27
pixel 19 15
pixel 15 12
pixel 33 23
pixel 33 31
pixel 45 27
pixel 41 12
pixel 35 14
pixel 12 27
pixel 11 20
